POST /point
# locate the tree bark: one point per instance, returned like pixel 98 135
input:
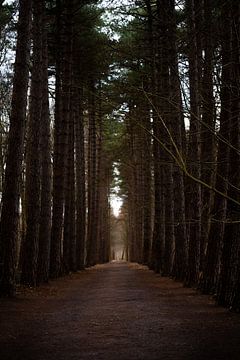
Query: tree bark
pixel 231 244
pixel 178 134
pixel 59 156
pixel 147 184
pixel 207 126
pixel 194 190
pixel 92 180
pixel 80 181
pixel 69 236
pixel 10 198
pixel 46 172
pixel 31 242
pixel 218 213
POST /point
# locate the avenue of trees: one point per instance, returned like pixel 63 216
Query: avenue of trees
pixel 55 165
pixel 153 93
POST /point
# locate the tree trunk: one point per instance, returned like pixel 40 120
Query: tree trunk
pixel 46 173
pixel 207 127
pixel 178 134
pixel 69 238
pixel 31 244
pixel 100 198
pixel 147 185
pixel 59 156
pixel 235 258
pixel 218 213
pixel 13 172
pixel 92 180
pixel 158 239
pixel 164 205
pixel 80 181
pixel 231 244
pixel 194 189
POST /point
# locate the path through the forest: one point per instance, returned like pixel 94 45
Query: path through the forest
pixel 116 311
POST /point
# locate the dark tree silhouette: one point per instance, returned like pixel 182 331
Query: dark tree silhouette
pixel 10 197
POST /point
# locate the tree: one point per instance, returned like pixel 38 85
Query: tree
pixel 218 213
pixel 46 171
pixel 69 239
pixel 10 198
pixel 31 241
pixel 178 134
pixel 92 178
pixel 231 245
pixel 193 198
pixel 207 123
pixel 59 151
pixel 80 179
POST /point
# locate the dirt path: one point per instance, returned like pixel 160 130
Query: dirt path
pixel 116 312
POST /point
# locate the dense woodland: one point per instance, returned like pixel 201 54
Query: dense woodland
pixel 141 98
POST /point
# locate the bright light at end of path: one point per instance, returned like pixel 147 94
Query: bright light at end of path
pixel 116 204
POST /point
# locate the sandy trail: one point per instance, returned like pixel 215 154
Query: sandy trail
pixel 116 311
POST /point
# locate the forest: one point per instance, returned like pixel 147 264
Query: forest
pixel 134 99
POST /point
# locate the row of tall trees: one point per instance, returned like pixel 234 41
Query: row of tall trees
pixel 182 134
pixel 55 214
pixel 159 102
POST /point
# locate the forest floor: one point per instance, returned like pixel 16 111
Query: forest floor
pixel 116 311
